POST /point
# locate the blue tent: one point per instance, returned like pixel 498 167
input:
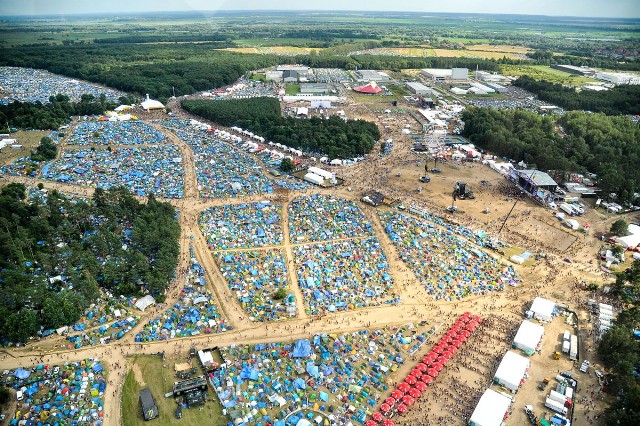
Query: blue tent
pixel 301 349
pixel 299 384
pixel 313 370
pixel 21 373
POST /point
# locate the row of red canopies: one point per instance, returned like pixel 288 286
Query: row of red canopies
pixel 423 374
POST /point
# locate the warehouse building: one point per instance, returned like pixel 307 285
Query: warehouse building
pixel 274 76
pixel 437 74
pixel 418 88
pixel 572 69
pixel 490 77
pixel 299 69
pixel 372 75
pixel 315 88
pixel 618 77
pixel 459 73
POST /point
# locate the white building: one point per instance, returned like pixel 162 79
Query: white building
pixel 542 309
pixel 459 73
pixel 372 75
pixel 512 371
pixel 437 74
pixel 619 77
pixel 528 337
pixel 491 409
pixel 418 88
pixel 274 76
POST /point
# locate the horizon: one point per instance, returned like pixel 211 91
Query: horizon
pixel 593 9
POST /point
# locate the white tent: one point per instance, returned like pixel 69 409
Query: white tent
pixel 528 337
pixel 490 410
pixel 145 302
pixel 542 308
pixel 336 162
pixel 150 104
pixel 511 371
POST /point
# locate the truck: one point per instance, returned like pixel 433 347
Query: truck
pixel 573 353
pixel 567 209
pixel 566 336
pixel 566 345
pixel 558 397
pixel 555 406
pixel 149 407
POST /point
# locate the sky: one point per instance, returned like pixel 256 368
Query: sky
pixel 587 8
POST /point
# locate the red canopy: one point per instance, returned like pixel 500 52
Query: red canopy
pixel 370 423
pixel 465 334
pixel 402 387
pixel 421 386
pixel 416 373
pixel 428 358
pixel 371 88
pixel 427 380
pixel 438 366
pixel 411 380
pixel 415 393
pixel 377 416
pixel 390 401
pixel 433 372
pixel 422 366
pixel 397 394
pixel 408 400
pixel 402 408
pixel 387 422
pixel 385 408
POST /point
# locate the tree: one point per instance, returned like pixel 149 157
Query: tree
pixel 280 294
pixel 286 165
pixel 619 228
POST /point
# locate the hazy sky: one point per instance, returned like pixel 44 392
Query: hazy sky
pixel 595 8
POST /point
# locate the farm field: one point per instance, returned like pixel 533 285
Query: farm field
pixel 543 72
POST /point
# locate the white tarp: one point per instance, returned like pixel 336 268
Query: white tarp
pixel 528 336
pixel 490 410
pixel 206 358
pixel 542 308
pixel 145 302
pixel 511 371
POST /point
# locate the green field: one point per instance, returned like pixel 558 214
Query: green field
pixel 160 380
pixel 543 72
pixel 292 89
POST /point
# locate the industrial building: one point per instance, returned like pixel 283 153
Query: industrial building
pixel 299 69
pixel 274 76
pixel 372 75
pixel 436 74
pixel 572 69
pixel 490 77
pixel 619 77
pixel 418 88
pixel 290 76
pixel 459 73
pixel 315 88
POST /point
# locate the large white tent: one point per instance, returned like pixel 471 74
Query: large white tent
pixel 528 337
pixel 490 410
pixel 144 302
pixel 542 308
pixel 511 371
pixel 631 240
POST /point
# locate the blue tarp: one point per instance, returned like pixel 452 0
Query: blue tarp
pixel 21 373
pixel 301 349
pixel 97 368
pixel 313 370
pixel 299 384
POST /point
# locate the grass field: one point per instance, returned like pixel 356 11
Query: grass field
pixel 504 48
pixel 28 139
pixel 542 72
pixel 481 54
pixel 159 380
pixel 274 50
pixel 292 89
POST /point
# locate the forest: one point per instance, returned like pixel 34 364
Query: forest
pixel 332 137
pixel 159 69
pixel 620 352
pixel 56 253
pixel 622 99
pixel 52 115
pixel 605 145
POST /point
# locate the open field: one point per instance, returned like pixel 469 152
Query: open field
pixel 29 139
pixel 274 50
pixel 543 72
pixel 475 54
pixel 148 371
pixel 504 48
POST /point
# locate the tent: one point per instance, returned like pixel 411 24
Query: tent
pixel 301 349
pixel 145 302
pixel 490 410
pixel 528 337
pixel 542 308
pixel 511 371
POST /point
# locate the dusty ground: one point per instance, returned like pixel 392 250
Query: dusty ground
pixel 456 391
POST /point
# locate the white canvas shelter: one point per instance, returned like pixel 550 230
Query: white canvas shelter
pixel 151 104
pixel 490 410
pixel 320 172
pixel 511 371
pixel 313 178
pixel 542 308
pixel 145 302
pixel 631 240
pixel 528 337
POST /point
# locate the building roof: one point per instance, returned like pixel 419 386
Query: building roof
pixel 543 307
pixel 491 409
pixel 371 88
pixel 538 177
pixel 417 86
pixel 529 334
pixel 512 368
pixel 438 72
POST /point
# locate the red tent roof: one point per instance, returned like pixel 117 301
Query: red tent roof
pixel 371 88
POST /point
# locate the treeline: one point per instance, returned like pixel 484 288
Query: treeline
pixel 213 40
pixel 56 254
pixel 623 99
pixel 26 115
pixel 601 144
pixel 333 137
pixel 158 69
pixel 619 350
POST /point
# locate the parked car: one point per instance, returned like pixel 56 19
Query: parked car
pixel 425 179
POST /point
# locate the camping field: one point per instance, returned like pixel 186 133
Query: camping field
pixel 29 139
pixel 148 371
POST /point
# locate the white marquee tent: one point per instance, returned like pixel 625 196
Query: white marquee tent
pixel 490 410
pixel 528 337
pixel 511 371
pixel 145 302
pixel 542 308
pixel 631 240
